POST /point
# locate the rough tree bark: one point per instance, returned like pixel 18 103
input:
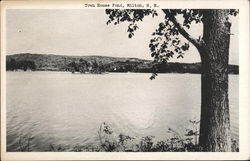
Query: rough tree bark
pixel 214 51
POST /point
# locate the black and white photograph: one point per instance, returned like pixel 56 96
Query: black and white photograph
pixel 122 77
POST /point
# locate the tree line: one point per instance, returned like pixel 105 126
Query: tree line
pixel 84 66
pixel 13 65
pixel 94 66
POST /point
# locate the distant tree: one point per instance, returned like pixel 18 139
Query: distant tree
pixel 213 48
pixel 162 67
pixel 32 65
pixel 11 65
pixel 83 66
pixel 23 65
pixel 94 67
pixel 101 67
pixel 81 60
pixel 26 64
pixel 73 67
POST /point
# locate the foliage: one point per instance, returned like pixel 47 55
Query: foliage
pixel 108 64
pixel 110 142
pixel 176 143
pixel 23 65
pixel 193 131
pixel 84 66
pixel 56 148
pixel 166 40
pixel 234 145
pixel 132 16
pixel 24 143
pixel 147 143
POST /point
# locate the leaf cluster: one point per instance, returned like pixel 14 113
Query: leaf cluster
pixel 166 41
pixel 130 15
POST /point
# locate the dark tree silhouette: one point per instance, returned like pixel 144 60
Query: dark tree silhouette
pixel 26 64
pixel 213 48
pixel 23 65
pixel 11 65
pixel 83 66
pixel 81 60
pixel 73 67
pixel 97 67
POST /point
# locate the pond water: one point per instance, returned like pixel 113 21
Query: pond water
pixel 68 109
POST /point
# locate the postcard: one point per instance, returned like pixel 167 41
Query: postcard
pixel 123 80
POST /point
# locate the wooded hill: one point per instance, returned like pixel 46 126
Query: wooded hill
pixel 49 62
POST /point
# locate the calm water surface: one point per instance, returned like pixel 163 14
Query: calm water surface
pixel 67 109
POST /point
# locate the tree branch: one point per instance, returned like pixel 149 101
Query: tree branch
pixel 181 30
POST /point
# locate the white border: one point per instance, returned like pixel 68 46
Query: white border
pixel 244 143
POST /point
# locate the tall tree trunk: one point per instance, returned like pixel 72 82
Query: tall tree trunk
pixel 215 121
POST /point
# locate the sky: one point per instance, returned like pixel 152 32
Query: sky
pixel 83 32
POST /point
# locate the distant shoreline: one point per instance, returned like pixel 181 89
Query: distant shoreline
pixel 99 64
pixel 30 71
